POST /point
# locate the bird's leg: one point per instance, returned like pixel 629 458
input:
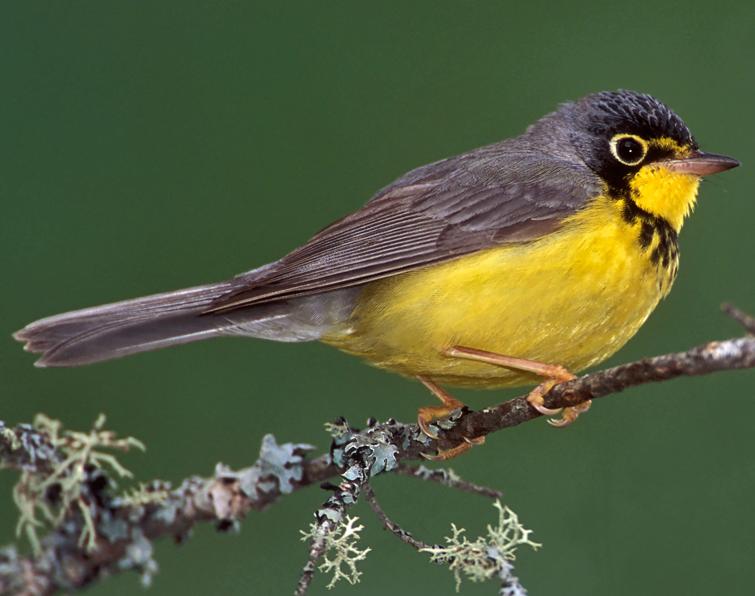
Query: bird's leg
pixel 553 373
pixel 429 414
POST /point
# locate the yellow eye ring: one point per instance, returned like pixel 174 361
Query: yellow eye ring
pixel 628 149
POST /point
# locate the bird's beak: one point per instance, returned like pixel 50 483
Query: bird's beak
pixel 699 163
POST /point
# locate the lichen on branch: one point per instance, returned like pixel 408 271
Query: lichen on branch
pixel 56 494
pixel 485 557
pixel 68 485
pixel 340 553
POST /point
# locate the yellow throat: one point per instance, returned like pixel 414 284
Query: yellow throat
pixel 663 193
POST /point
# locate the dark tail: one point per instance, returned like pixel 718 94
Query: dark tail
pixel 122 328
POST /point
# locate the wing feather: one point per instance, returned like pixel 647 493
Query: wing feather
pixel 495 195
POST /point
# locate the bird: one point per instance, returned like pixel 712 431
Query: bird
pixel 518 263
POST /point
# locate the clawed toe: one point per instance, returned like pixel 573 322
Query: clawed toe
pixel 425 416
pixel 570 414
pixel 536 399
pixel 444 454
pixel 429 414
pixel 546 411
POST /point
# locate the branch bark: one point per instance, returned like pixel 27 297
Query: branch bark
pixel 125 527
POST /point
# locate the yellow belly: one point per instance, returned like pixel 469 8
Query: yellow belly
pixel 573 297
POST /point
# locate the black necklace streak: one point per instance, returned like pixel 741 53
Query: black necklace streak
pixel 666 253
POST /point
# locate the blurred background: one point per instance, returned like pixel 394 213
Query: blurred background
pixel 150 146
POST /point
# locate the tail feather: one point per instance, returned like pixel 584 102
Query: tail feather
pixel 128 327
pixel 163 320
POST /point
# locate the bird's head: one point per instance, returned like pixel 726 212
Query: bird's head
pixel 638 147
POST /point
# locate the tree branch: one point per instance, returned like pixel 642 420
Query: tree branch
pixel 447 477
pixel 741 317
pixel 403 535
pixel 125 526
pixel 715 356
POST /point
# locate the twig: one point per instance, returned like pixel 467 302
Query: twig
pixel 327 519
pixel 390 525
pixel 316 551
pixel 741 317
pixel 509 583
pixel 447 477
pixel 360 456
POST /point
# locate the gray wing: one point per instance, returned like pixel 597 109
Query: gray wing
pixel 491 196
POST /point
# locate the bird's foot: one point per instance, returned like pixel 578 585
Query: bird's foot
pixel 536 399
pixel 444 454
pixel 554 374
pixel 429 414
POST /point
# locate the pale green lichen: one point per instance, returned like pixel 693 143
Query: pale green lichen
pixel 369 452
pixel 485 557
pixel 81 451
pixel 341 554
pixel 447 476
pixel 13 441
pixel 337 429
pixel 143 495
pixel 279 468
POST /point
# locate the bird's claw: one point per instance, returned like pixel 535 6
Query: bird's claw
pixel 570 414
pixel 536 399
pixel 444 454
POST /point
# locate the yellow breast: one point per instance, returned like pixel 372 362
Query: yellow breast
pixel 573 298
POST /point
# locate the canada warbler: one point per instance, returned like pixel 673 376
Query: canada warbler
pixel 525 259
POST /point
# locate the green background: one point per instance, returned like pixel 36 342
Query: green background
pixel 150 146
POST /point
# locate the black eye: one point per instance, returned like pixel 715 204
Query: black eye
pixel 628 149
